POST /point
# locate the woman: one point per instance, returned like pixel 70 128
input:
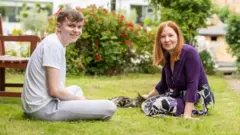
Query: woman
pixel 184 87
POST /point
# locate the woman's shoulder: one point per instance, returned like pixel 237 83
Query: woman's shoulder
pixel 188 51
pixel 188 48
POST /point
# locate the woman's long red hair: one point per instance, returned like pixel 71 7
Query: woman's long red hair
pixel 160 55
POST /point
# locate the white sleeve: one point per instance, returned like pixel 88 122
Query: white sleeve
pixel 52 55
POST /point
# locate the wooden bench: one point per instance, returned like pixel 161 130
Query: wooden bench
pixel 13 61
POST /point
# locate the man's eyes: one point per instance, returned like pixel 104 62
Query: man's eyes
pixel 71 25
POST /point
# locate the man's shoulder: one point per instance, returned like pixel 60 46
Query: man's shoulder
pixel 52 40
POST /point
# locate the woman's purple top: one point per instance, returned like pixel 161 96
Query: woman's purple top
pixel 188 75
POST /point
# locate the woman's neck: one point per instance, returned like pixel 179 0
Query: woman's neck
pixel 170 53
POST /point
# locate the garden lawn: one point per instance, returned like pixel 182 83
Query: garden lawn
pixel 223 120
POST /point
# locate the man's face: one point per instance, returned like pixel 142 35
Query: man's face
pixel 69 31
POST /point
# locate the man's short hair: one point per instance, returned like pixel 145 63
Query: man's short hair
pixel 71 14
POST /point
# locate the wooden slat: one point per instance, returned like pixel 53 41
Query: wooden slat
pixel 2 52
pixel 2 79
pixel 13 65
pixel 10 94
pixel 10 58
pixel 24 38
pixel 1 28
pixel 13 85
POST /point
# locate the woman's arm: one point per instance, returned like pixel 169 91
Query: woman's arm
pixel 188 111
pixel 160 88
pixel 192 73
pixel 151 94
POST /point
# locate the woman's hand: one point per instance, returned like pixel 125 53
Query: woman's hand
pixel 151 94
pixel 190 117
pixel 145 96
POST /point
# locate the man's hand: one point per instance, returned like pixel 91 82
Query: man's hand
pixel 82 98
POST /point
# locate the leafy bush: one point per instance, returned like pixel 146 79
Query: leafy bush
pixel 233 34
pixel 222 12
pixel 207 62
pixel 17 49
pixel 109 44
pixel 34 18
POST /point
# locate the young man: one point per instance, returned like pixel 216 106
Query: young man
pixel 45 95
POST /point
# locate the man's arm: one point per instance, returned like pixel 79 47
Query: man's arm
pixel 53 85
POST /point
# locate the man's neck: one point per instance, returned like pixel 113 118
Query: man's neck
pixel 61 39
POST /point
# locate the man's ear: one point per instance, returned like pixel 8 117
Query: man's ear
pixel 59 26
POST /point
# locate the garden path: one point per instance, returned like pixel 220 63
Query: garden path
pixel 233 82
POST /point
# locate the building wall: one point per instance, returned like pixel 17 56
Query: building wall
pixel 234 5
pixel 120 4
pixel 81 3
pixel 220 49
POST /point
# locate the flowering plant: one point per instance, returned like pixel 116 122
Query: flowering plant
pixel 108 43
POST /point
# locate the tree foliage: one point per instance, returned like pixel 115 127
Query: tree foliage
pixel 222 12
pixel 233 34
pixel 188 14
pixel 34 18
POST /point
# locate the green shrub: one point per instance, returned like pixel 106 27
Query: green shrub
pixel 108 45
pixel 207 62
pixel 23 51
pixel 238 67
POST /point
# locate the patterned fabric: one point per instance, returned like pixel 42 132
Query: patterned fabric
pixel 160 105
pixel 206 101
pixel 164 104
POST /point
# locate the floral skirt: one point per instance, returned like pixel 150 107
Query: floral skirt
pixel 165 104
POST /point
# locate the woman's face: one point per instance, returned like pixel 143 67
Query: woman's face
pixel 168 39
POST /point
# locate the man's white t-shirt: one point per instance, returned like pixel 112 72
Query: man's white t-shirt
pixel 49 53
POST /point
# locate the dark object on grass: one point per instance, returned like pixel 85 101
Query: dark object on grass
pixel 126 102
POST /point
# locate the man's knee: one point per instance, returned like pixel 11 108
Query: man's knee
pixel 110 110
pixel 77 90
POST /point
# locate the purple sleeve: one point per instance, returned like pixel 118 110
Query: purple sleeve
pixel 162 87
pixel 192 70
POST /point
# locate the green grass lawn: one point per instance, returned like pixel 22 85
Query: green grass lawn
pixel 224 119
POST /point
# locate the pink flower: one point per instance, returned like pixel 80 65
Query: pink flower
pixel 98 57
pixel 121 17
pixel 123 35
pixel 128 42
pixel 96 43
pixel 129 24
pixel 105 10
